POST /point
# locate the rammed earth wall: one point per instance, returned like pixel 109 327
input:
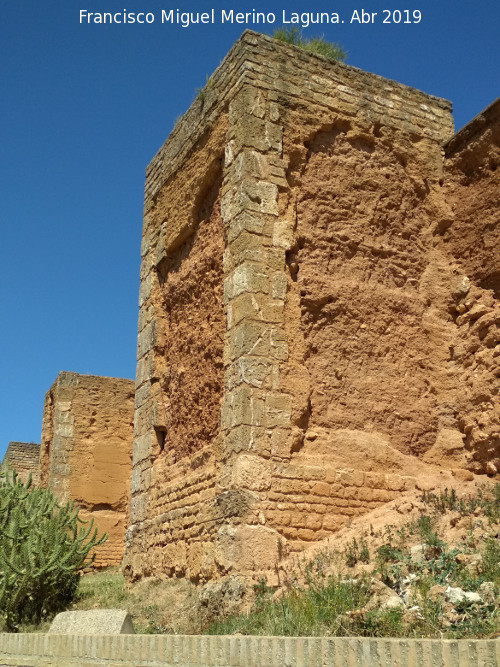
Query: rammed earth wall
pixel 297 309
pixel 86 452
pixel 471 236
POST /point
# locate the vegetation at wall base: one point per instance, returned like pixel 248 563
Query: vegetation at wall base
pixel 440 587
pixel 430 589
pixel 152 603
pixel 317 45
pixel 43 546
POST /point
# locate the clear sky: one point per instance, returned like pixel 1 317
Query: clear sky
pixel 84 107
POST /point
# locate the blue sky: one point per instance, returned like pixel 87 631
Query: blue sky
pixel 84 107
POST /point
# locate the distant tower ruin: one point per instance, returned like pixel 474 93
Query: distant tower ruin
pixel 24 458
pixel 86 452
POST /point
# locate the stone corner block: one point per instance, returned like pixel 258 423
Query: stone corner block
pixel 247 548
pixel 252 472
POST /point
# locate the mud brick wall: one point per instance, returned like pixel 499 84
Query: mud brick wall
pixel 86 452
pixel 24 458
pixel 296 313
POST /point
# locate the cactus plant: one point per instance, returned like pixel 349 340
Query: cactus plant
pixel 43 546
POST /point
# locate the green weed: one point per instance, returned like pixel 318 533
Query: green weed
pixel 317 45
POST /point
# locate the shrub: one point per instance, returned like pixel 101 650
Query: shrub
pixel 357 552
pixel 386 553
pixel 43 545
pixel 317 45
pixel 490 563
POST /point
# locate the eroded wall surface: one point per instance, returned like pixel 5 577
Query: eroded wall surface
pixel 24 458
pixel 364 199
pixel 86 452
pixel 322 380
pixel 180 371
pixel 471 237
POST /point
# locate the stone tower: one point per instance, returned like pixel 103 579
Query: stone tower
pixel 86 452
pixel 299 355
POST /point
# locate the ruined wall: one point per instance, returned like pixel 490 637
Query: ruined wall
pixel 359 187
pixel 86 452
pixel 318 192
pixel 179 379
pixel 470 235
pixel 24 458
